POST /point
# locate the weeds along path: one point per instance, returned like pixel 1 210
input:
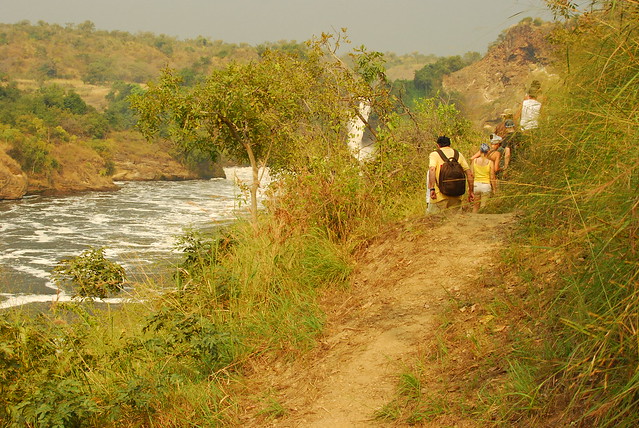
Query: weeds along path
pixel 403 282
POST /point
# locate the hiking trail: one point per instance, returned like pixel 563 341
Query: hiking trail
pixel 404 280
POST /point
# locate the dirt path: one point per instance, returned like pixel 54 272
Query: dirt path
pixel 403 281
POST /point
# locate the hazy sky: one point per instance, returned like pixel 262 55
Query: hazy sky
pixel 441 27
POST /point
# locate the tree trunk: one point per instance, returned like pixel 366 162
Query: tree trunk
pixel 255 185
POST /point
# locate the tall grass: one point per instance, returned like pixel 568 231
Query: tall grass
pixel 577 182
pixel 171 358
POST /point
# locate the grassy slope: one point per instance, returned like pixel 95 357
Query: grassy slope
pixel 576 180
pixel 575 354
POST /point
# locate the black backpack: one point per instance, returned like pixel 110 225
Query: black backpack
pixel 452 178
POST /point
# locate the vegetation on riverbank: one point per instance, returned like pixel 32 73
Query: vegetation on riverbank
pixel 570 351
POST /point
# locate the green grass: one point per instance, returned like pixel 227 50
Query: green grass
pixel 569 353
pixel 577 189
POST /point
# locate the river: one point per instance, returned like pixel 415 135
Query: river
pixel 137 225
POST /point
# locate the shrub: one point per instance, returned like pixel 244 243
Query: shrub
pixel 91 274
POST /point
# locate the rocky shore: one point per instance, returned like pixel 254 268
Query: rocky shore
pixel 82 169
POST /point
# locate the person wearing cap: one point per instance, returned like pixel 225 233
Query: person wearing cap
pixel 494 153
pixel 439 201
pixel 506 116
pixel 485 181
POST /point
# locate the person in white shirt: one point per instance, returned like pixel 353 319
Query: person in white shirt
pixel 530 109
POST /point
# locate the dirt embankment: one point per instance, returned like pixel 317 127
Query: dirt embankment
pixel 404 282
pixel 128 157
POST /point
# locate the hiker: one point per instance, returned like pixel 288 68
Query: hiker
pixel 494 153
pixel 530 108
pixel 440 196
pixel 508 141
pixel 506 116
pixel 485 181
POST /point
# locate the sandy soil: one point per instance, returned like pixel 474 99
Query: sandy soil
pixel 405 279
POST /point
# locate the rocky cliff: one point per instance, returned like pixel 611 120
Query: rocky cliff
pixel 499 80
pixel 13 181
pixel 83 169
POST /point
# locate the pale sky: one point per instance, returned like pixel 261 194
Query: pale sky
pixel 440 27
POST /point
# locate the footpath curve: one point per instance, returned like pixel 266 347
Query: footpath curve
pixel 404 281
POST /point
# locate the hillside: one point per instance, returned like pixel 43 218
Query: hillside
pixel 80 52
pixel 499 80
pixel 82 57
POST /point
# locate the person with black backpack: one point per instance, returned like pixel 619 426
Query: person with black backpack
pixel 448 174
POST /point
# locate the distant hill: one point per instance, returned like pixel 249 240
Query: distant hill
pixel 89 61
pixel 80 52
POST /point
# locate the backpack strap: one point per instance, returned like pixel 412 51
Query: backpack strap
pixel 443 156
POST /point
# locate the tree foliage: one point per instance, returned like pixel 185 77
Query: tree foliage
pixel 277 112
pixel 90 274
pixel 119 113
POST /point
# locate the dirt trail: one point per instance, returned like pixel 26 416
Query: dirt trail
pixel 403 281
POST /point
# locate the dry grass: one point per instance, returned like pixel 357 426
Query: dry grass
pixel 93 95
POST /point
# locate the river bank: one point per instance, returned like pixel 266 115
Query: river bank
pixel 80 168
pixel 137 225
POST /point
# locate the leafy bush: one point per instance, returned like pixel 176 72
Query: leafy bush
pixel 91 274
pixel 33 154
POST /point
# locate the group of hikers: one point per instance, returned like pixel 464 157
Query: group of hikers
pixel 449 171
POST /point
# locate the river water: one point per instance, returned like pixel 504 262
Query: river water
pixel 137 225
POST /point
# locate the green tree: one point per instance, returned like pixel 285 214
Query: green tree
pixel 429 78
pixel 74 103
pixel 264 112
pixel 119 113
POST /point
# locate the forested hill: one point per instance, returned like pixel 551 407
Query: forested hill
pixel 65 121
pixel 49 51
pixel 80 52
